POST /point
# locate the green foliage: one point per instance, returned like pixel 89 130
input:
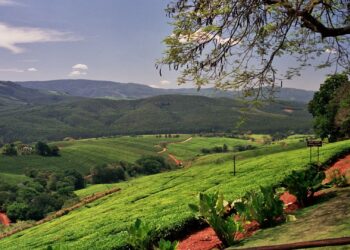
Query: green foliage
pixel 140 236
pixel 107 173
pixel 326 104
pixel 162 200
pixel 44 149
pixel 167 245
pixel 212 209
pixel 9 150
pixel 152 164
pixel 303 184
pixel 339 180
pixel 265 207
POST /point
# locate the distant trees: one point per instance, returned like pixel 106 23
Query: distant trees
pixel 40 148
pixel 146 165
pixel 44 149
pixel 44 193
pixel 331 108
pixel 9 150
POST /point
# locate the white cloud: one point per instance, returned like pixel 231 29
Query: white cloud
pixel 12 70
pixel 9 3
pixel 77 73
pixel 164 82
pixel 11 37
pixel 154 86
pixel 80 66
pixel 32 70
pixel 79 70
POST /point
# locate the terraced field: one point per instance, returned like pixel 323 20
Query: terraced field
pixel 84 154
pixel 161 200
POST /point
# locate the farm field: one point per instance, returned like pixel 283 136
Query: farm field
pixel 161 200
pixel 84 154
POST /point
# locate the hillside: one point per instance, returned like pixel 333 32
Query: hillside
pixel 117 90
pixel 14 94
pixel 84 118
pixel 161 200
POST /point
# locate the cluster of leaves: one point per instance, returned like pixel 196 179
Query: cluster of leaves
pixel 303 184
pixel 240 148
pixel 212 209
pixel 265 207
pixel 141 235
pixel 234 43
pixel 40 148
pixel 331 108
pixel 215 149
pixel 45 192
pixel 146 165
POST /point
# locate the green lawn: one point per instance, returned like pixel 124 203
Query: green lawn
pixel 161 200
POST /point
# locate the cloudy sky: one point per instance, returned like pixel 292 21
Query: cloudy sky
pixel 116 40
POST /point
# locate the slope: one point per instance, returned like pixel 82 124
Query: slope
pixel 161 200
pixel 161 114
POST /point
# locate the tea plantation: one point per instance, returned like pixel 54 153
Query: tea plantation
pixel 160 200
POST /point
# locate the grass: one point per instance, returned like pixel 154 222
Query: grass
pixel 84 154
pixel 192 148
pixel 332 218
pixel 160 200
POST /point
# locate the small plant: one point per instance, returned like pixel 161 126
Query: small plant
pixel 167 245
pixel 212 209
pixel 265 207
pixel 140 236
pixel 337 179
pixel 304 184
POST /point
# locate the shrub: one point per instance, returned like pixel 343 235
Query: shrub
pixel 303 184
pixel 337 179
pixel 107 174
pixel 211 208
pixel 140 236
pixel 9 150
pixel 265 207
pixel 167 245
pixel 152 164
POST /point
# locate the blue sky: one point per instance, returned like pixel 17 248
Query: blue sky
pixel 118 40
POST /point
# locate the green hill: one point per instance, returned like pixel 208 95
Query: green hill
pixel 161 200
pixel 83 118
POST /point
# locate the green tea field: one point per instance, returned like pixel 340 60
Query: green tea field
pixel 161 200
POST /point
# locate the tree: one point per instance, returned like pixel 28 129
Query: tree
pixel 329 103
pixel 42 149
pixel 9 150
pixel 234 44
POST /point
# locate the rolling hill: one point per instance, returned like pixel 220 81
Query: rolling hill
pixel 117 90
pixel 83 117
pixel 161 200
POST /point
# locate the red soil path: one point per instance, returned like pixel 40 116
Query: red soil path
pixel 206 239
pixel 4 219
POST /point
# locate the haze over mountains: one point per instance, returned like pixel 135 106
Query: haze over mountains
pixel 116 90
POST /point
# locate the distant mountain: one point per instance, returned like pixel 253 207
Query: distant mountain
pixel 14 94
pixel 81 118
pixel 116 90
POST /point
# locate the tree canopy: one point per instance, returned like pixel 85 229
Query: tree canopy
pixel 331 108
pixel 234 44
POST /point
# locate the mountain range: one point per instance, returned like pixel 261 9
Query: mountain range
pixel 37 114
pixel 117 90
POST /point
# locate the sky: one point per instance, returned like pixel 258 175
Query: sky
pixel 117 40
